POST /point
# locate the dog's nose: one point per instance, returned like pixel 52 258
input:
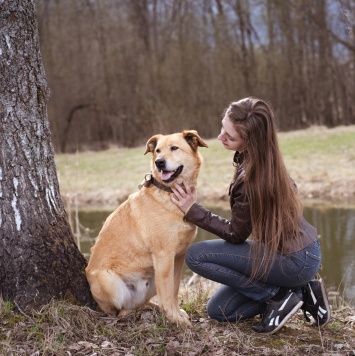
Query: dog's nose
pixel 160 163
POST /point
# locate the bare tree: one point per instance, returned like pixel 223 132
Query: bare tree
pixel 165 65
pixel 38 257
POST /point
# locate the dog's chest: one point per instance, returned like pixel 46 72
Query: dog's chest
pixel 154 215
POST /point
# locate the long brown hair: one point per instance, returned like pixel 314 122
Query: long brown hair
pixel 274 205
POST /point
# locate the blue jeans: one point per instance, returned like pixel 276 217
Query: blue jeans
pixel 240 297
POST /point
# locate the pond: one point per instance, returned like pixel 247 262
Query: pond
pixel 336 227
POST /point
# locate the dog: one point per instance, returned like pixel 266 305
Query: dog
pixel 140 250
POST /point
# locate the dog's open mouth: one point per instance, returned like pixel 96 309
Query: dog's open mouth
pixel 169 176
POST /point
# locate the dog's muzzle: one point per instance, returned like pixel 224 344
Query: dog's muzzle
pixel 166 175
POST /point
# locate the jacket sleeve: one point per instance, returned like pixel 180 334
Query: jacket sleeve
pixel 237 230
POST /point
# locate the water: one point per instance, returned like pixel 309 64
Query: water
pixel 337 230
pixel 335 226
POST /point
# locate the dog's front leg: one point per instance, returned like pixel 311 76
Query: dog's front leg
pixel 179 263
pixel 166 290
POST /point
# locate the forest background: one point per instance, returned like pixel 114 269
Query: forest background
pixel 122 70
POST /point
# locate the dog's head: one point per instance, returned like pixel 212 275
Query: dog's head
pixel 176 157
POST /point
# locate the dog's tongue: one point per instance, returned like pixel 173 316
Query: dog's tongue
pixel 165 175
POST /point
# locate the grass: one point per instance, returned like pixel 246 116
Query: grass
pixel 315 140
pixel 322 162
pixel 60 328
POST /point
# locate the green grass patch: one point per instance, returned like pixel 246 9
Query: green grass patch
pixel 317 158
pixel 318 142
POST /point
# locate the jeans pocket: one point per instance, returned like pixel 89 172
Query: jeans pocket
pixel 311 267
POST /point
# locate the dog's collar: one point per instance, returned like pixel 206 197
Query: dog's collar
pixel 149 179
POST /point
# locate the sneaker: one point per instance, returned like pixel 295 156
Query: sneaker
pixel 316 302
pixel 278 312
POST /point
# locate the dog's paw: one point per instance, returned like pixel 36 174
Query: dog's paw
pixel 125 313
pixel 180 318
pixel 184 321
pixel 183 314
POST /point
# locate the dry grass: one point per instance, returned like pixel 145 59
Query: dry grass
pixel 60 328
pixel 322 162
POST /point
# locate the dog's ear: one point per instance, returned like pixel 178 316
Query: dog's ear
pixel 193 139
pixel 151 144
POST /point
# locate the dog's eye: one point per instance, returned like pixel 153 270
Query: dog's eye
pixel 174 148
pixel 157 150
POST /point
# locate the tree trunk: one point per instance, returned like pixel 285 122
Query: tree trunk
pixel 38 257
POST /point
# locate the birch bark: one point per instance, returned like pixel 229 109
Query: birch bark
pixel 38 256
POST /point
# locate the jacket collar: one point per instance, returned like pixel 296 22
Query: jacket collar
pixel 238 158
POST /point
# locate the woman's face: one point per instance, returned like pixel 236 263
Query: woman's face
pixel 230 137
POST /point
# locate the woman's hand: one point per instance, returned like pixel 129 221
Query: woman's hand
pixel 184 196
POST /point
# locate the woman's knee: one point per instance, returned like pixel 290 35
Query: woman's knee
pixel 233 312
pixel 214 311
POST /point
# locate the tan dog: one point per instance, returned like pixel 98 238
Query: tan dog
pixel 141 248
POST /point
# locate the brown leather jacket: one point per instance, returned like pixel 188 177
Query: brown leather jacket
pixel 239 228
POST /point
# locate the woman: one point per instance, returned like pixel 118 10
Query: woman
pixel 267 254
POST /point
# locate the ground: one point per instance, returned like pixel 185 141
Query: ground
pixel 61 328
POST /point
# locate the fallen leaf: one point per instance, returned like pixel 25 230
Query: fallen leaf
pixel 88 345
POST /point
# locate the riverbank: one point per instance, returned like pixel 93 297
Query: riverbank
pixel 320 160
